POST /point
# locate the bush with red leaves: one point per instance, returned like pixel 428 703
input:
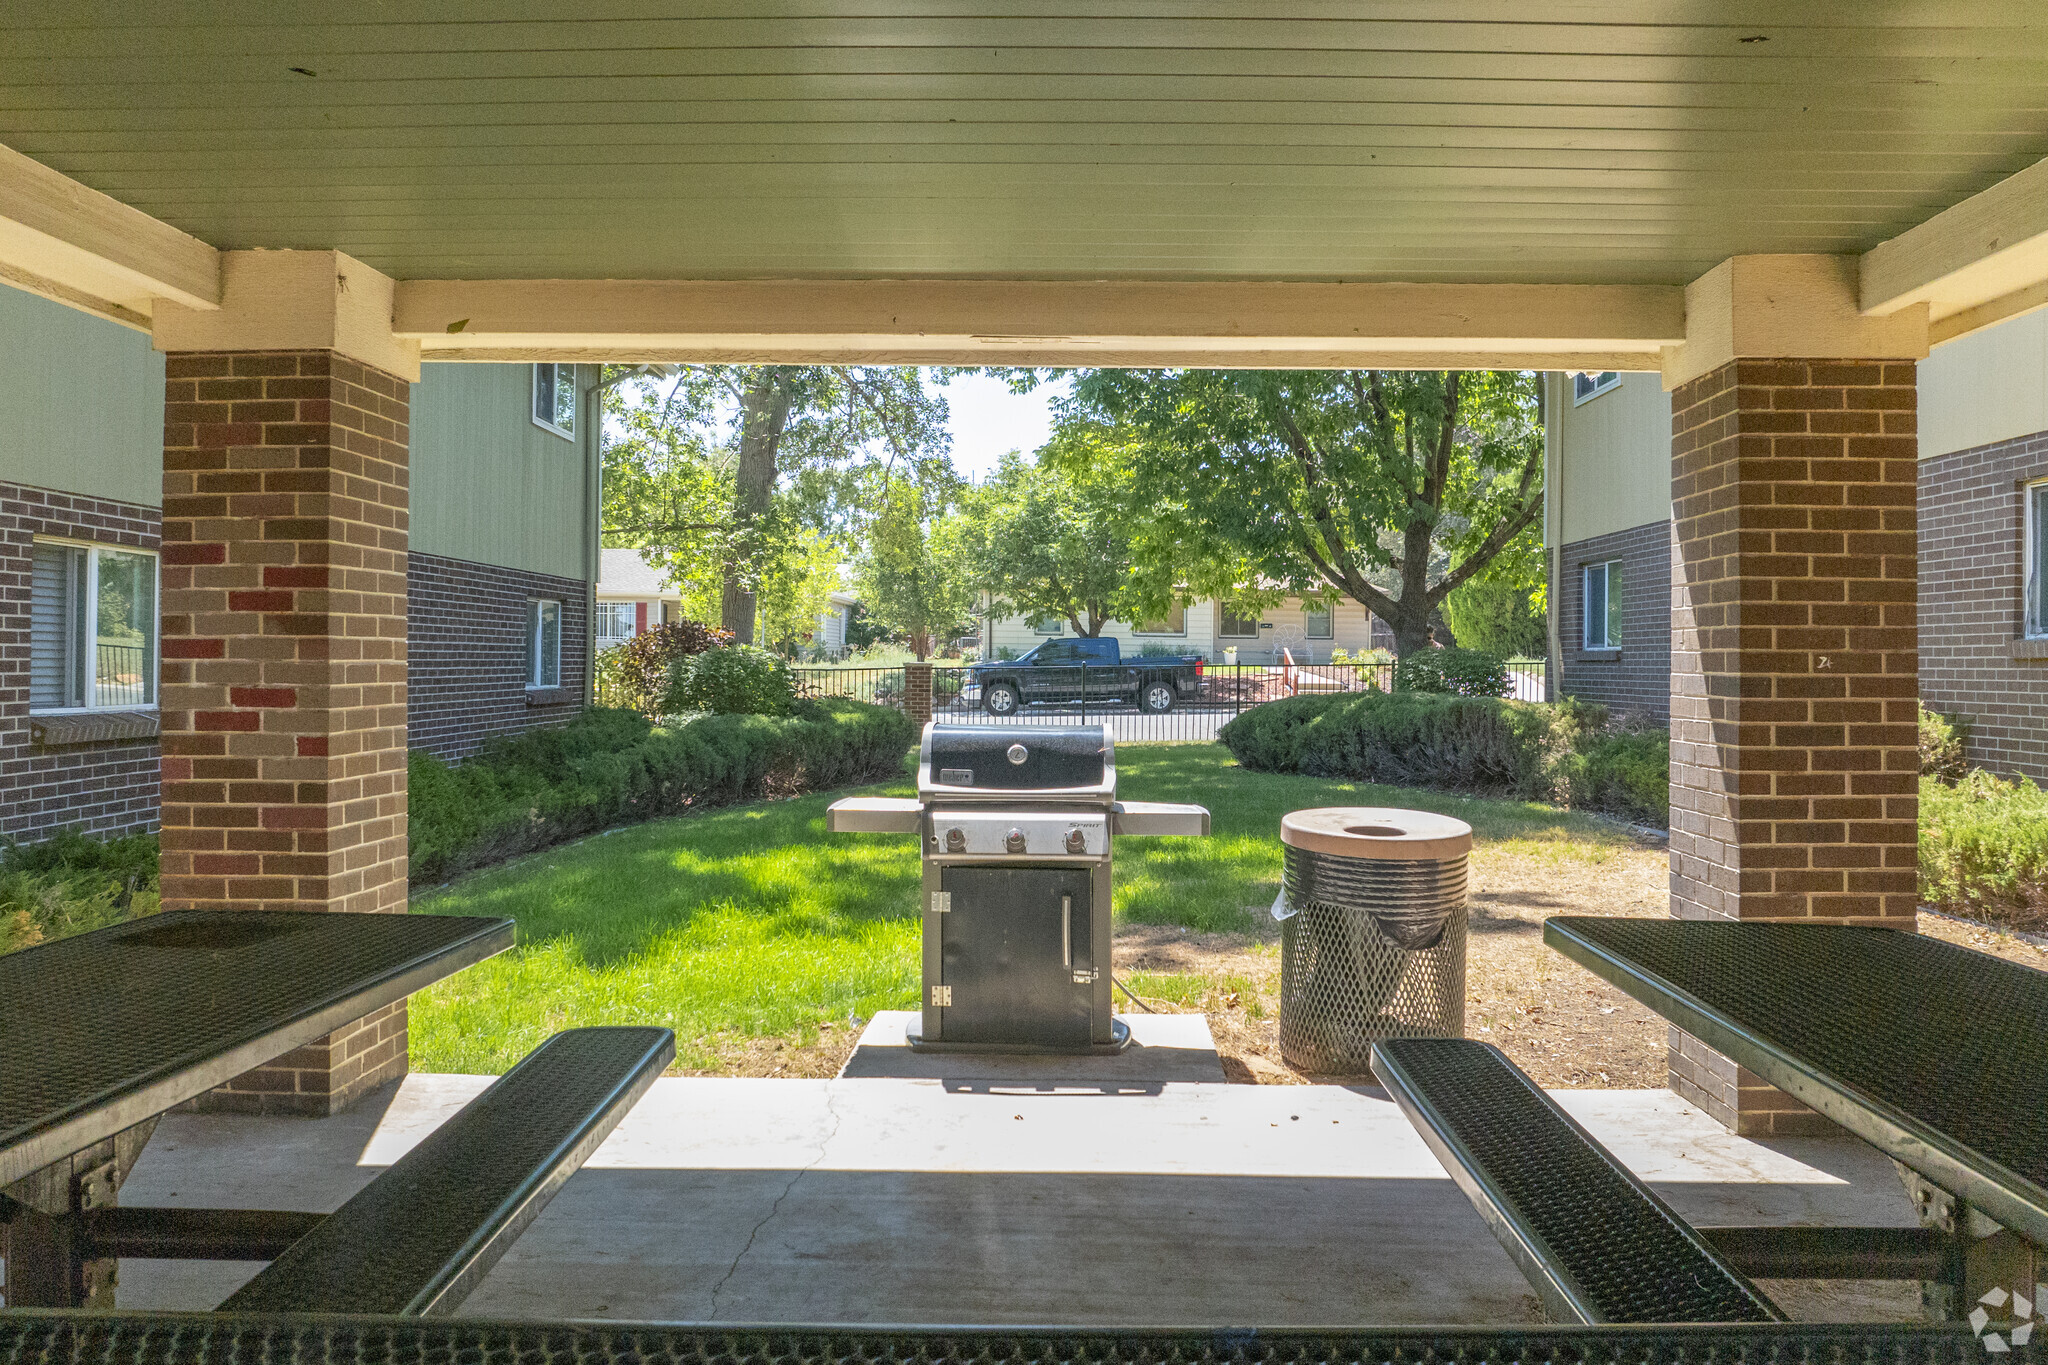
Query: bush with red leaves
pixel 635 674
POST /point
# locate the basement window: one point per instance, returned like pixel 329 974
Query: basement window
pixel 543 643
pixel 92 628
pixel 1601 598
pixel 2035 561
pixel 554 399
pixel 1588 384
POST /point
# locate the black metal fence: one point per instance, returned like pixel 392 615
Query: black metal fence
pixel 1082 695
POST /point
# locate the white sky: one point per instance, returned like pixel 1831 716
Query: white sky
pixel 987 421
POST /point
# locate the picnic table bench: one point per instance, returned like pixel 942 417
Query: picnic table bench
pixel 103 1032
pixel 1930 1052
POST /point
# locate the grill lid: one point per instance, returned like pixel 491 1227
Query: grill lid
pixel 1017 758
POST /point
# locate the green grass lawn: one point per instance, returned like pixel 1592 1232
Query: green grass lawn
pixel 754 922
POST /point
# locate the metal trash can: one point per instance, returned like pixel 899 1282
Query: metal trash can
pixel 1372 932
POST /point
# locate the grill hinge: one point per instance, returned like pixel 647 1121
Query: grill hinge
pixel 942 902
pixel 942 996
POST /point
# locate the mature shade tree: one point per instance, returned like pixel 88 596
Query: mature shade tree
pixel 737 469
pixel 1319 482
pixel 913 574
pixel 1066 536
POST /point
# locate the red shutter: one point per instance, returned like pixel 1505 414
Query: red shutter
pixel 639 618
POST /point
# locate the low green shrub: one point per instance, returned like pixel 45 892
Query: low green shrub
pixel 1455 672
pixel 1626 773
pixel 611 766
pixel 1561 751
pixel 1413 738
pixel 732 680
pixel 1941 745
pixel 71 883
pixel 635 675
pixel 1984 849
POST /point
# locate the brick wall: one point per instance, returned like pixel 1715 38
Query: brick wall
pixel 1970 565
pixel 284 545
pixel 1794 772
pixel 108 787
pixel 1635 679
pixel 466 637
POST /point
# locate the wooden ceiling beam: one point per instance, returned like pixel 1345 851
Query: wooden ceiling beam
pixel 1248 323
pixel 1974 264
pixel 78 246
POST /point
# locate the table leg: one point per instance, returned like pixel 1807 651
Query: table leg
pixel 46 1264
pixel 1983 1258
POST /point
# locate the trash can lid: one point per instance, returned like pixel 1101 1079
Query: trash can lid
pixel 1376 832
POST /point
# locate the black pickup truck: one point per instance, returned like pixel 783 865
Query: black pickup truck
pixel 1074 670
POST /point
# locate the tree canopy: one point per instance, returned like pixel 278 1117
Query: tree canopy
pixel 913 573
pixel 1391 488
pixel 740 474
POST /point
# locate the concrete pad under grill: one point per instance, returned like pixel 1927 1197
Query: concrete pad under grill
pixel 911 1201
pixel 1164 1048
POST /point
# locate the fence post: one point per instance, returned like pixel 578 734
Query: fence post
pixel 917 691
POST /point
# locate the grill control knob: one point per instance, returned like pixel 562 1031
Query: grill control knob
pixel 1077 842
pixel 956 840
pixel 1017 753
pixel 1014 840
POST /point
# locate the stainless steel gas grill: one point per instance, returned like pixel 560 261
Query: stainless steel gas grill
pixel 1016 824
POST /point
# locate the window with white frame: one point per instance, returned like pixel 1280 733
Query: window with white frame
pixel 92 628
pixel 1233 624
pixel 2035 561
pixel 554 398
pixel 1590 384
pixel 615 623
pixel 1601 599
pixel 543 643
pixel 1175 622
pixel 1047 625
pixel 1317 621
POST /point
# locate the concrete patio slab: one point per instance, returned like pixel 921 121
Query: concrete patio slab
pixel 1164 1048
pixel 911 1201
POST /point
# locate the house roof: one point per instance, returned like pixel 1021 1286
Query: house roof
pixel 623 573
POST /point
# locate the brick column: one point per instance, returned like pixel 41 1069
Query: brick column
pixel 284 557
pixel 917 691
pixel 1794 772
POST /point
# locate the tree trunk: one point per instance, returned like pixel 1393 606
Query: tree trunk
pixel 764 412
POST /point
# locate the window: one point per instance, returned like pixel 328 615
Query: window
pixel 92 632
pixel 1175 622
pixel 1234 625
pixel 1047 625
pixel 615 622
pixel 1317 623
pixel 554 398
pixel 1587 384
pixel 543 643
pixel 2036 561
pixel 1602 602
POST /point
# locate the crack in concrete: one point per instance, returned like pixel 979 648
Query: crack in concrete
pixel 832 1108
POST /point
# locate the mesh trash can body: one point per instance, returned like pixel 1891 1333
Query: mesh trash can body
pixel 1373 939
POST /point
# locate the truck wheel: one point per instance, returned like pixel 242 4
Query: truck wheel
pixel 999 699
pixel 1156 696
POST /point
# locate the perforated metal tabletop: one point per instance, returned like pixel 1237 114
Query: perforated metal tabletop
pixel 34 1338
pixel 102 1031
pixel 1930 1052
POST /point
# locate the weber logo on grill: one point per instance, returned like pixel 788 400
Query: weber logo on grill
pixel 957 777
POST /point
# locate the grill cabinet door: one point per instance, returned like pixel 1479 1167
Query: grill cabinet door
pixel 1008 959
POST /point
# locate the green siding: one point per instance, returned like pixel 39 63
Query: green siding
pixel 85 406
pixel 488 485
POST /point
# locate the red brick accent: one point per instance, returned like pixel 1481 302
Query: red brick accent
pixel 103 786
pixel 285 495
pixel 917 692
pixel 1794 772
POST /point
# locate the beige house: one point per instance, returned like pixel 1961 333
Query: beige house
pixel 632 595
pixel 1206 627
